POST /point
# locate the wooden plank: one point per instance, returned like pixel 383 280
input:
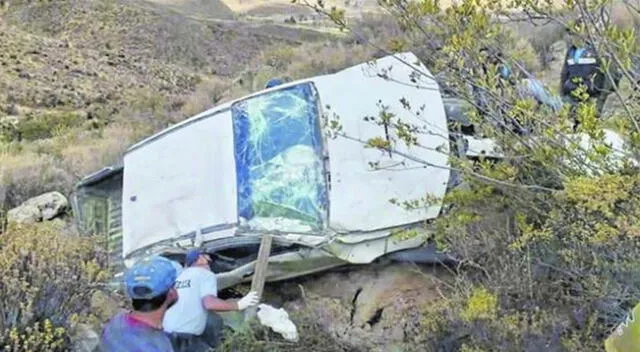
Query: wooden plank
pixel 260 271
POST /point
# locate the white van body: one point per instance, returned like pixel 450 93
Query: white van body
pixel 269 164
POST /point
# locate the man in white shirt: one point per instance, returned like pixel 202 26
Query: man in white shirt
pixel 192 322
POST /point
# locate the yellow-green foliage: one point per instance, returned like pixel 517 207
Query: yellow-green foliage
pixel 600 209
pixel 36 338
pixel 48 278
pixel 547 237
pixel 481 304
pixel 47 125
pixel 599 195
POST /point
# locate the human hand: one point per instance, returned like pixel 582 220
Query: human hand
pixel 251 299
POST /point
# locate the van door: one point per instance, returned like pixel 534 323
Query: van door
pixel 363 179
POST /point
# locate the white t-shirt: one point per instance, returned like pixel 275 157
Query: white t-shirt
pixel 188 315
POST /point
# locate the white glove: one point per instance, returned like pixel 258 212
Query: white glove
pixel 251 299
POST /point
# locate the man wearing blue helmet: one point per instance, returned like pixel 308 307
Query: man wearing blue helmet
pixel 150 285
pixel 274 82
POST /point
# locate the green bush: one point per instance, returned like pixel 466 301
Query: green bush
pixel 47 125
pixel 48 279
pixel 547 237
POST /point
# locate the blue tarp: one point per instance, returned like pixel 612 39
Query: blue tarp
pixel 533 88
pixel 278 153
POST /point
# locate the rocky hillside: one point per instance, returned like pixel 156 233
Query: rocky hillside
pixel 81 80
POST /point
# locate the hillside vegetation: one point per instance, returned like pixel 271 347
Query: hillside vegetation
pixel 549 251
pixel 199 8
pixel 81 80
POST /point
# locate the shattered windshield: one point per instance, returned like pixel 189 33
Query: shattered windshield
pixel 279 161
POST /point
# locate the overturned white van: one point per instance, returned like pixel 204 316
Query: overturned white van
pixel 268 163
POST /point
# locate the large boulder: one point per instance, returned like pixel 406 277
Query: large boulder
pixel 41 208
pixel 105 306
pixel 376 308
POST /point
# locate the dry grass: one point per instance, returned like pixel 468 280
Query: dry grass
pixel 208 93
pixel 254 6
pixel 28 174
pixel 31 168
pixel 353 8
pixel 91 151
pixel 206 8
pixel 292 63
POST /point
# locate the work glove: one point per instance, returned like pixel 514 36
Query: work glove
pixel 251 299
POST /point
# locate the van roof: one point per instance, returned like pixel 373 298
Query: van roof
pixel 215 110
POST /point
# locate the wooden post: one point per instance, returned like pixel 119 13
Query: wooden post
pixel 260 271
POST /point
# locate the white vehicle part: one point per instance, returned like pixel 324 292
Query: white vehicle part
pixel 368 251
pixel 487 147
pixel 359 197
pixel 183 180
pixel 174 184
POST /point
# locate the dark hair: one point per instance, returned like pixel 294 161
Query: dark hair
pixel 149 305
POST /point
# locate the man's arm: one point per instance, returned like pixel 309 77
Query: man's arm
pixel 214 303
pixel 211 302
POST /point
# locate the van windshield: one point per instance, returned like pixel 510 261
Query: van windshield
pixel 279 161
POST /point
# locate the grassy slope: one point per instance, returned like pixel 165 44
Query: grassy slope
pixel 82 80
pixel 254 6
pixel 206 8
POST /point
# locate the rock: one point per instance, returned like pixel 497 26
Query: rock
pixel 24 215
pixel 84 339
pixel 278 320
pixel 41 208
pixel 376 308
pixel 104 307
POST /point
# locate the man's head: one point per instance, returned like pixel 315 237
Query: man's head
pixel 196 257
pixel 149 284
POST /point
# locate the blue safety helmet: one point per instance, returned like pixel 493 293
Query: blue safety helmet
pixel 274 82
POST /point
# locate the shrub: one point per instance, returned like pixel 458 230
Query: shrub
pixel 547 237
pixel 26 174
pixel 208 94
pixel 47 125
pixel 292 63
pixel 48 279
